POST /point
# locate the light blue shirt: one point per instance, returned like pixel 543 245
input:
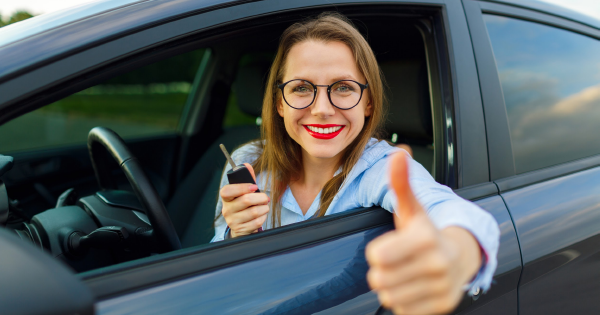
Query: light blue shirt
pixel 367 186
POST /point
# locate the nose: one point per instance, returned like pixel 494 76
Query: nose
pixel 322 107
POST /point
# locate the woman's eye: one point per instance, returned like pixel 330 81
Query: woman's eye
pixel 344 88
pixel 302 89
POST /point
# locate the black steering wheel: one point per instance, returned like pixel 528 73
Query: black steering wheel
pixel 102 141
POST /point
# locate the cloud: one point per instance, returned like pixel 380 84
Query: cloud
pixel 578 103
pixel 547 129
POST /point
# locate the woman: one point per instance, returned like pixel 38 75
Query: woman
pixel 323 108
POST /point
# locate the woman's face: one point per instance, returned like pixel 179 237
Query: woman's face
pixel 323 64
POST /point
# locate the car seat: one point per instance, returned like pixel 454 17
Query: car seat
pixel 192 206
pixel 409 118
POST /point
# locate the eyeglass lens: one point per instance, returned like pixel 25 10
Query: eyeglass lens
pixel 301 94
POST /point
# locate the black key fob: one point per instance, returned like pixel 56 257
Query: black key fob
pixel 240 175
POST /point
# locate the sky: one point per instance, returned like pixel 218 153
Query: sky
pixel 8 7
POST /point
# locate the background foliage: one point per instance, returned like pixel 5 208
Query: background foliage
pixel 16 17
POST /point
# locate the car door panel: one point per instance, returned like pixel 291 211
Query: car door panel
pixel 327 277
pixel 302 281
pixel 558 222
pixel 502 296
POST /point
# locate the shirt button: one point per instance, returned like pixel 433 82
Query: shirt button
pixel 477 291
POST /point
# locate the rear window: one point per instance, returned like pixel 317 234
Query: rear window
pixel 551 83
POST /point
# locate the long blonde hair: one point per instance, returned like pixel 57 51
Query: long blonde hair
pixel 280 156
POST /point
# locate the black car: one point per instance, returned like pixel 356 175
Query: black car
pixel 112 113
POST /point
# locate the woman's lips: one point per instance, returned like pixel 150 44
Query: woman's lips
pixel 316 134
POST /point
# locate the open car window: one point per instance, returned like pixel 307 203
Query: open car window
pixel 205 97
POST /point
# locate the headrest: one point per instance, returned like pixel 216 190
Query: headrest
pixel 409 111
pixel 249 84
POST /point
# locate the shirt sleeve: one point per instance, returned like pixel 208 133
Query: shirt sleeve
pixel 220 224
pixel 443 206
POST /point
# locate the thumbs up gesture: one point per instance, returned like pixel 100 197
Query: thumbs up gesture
pixel 418 269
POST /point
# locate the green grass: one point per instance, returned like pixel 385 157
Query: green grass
pixel 163 110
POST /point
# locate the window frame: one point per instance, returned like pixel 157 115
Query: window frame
pixel 457 84
pixel 158 269
pixel 502 165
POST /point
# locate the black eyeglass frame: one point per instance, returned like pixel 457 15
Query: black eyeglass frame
pixel 315 86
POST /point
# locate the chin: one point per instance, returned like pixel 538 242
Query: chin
pixel 325 153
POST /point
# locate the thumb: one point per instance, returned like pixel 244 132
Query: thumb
pixel 407 204
pixel 249 167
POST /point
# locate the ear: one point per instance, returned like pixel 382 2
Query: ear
pixel 368 109
pixel 280 107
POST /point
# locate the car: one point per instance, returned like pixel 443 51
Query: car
pixel 112 113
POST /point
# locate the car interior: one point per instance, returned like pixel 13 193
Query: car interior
pixel 185 166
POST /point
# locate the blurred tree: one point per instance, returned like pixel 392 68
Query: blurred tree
pixel 1 21
pixel 19 16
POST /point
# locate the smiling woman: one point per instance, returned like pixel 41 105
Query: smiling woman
pixel 319 155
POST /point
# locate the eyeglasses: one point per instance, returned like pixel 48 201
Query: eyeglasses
pixel 343 94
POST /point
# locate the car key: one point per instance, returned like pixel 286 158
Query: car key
pixel 239 174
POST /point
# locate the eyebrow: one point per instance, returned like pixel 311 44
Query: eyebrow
pixel 335 79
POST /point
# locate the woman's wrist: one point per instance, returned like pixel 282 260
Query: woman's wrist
pixel 466 252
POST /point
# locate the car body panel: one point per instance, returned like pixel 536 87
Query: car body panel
pixel 558 224
pixel 555 209
pixel 509 268
pixel 27 272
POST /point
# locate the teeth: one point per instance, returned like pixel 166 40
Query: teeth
pixel 324 130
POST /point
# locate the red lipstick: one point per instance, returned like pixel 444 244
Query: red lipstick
pixel 321 135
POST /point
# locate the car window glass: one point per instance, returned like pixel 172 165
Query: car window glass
pixel 143 102
pixel 551 83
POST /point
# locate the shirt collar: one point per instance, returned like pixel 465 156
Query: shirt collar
pixel 374 151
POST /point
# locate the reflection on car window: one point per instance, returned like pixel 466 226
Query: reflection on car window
pixel 551 83
pixel 144 102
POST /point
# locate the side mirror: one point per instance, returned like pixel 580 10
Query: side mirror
pixel 6 163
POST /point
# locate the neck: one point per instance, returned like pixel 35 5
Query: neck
pixel 317 171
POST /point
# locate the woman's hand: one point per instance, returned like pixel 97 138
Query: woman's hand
pixel 243 210
pixel 417 269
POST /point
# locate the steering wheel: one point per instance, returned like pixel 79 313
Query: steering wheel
pixel 101 141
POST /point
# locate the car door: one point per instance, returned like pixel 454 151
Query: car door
pixel 540 85
pixel 313 266
pixel 319 266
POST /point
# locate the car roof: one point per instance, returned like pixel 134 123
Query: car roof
pixel 52 35
pixel 45 22
pixel 553 9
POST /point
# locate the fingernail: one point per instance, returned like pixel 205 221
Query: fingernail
pixel 252 188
